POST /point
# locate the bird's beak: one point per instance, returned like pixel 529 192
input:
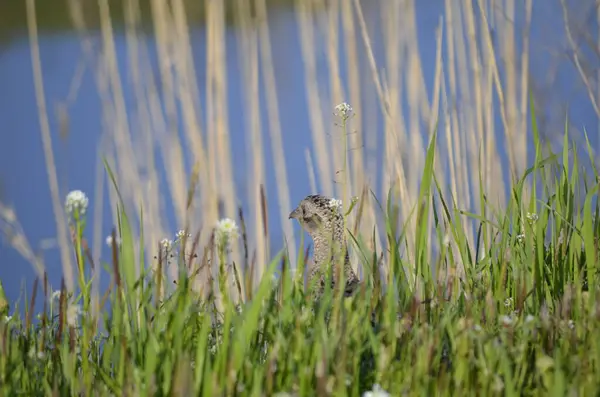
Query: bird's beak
pixel 295 214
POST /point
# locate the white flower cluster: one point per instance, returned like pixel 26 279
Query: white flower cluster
pixel 76 202
pixel 532 217
pixel 181 235
pixel 166 243
pixel 226 231
pixel 343 110
pixel 376 392
pixel 335 203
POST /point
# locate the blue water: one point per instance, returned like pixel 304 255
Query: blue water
pixel 23 177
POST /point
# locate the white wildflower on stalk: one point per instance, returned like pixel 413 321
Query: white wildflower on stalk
pixel 109 240
pixel 7 319
pixel 181 234
pixel 521 238
pixel 226 231
pixel 76 202
pixel 508 302
pixel 335 203
pixel 73 312
pixel 376 392
pixel 56 295
pixel 166 243
pixel 498 384
pixel 506 320
pixel 343 110
pixel 529 319
pixel 348 380
pixel 532 217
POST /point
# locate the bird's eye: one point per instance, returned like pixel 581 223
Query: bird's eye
pixel 314 219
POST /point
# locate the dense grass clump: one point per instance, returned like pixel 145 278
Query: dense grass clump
pixel 523 320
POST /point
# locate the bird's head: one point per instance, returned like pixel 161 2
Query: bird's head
pixel 320 216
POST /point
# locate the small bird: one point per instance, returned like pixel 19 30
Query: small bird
pixel 322 218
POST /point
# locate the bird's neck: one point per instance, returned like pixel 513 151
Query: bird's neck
pixel 327 252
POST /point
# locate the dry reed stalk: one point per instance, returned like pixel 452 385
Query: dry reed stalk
pixel 466 79
pixel 352 69
pixel 275 129
pixel 248 51
pixel 59 214
pixel 303 11
pixel 310 169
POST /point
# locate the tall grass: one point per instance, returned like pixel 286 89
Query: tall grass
pixel 525 320
pixel 477 279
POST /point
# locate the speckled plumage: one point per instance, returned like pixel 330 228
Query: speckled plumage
pixel 321 217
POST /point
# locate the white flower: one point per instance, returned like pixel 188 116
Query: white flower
pixel 498 384
pixel 76 201
pixel 181 234
pixel 226 231
pixel 521 238
pixel 33 353
pixel 56 295
pixel 166 243
pixel 532 217
pixel 7 319
pixel 343 110
pixel 73 312
pixel 109 240
pixel 529 318
pixel 335 203
pixel 376 392
pixel 506 320
pixel 571 324
pixel 508 302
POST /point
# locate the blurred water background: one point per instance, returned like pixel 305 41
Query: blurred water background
pixel 281 82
